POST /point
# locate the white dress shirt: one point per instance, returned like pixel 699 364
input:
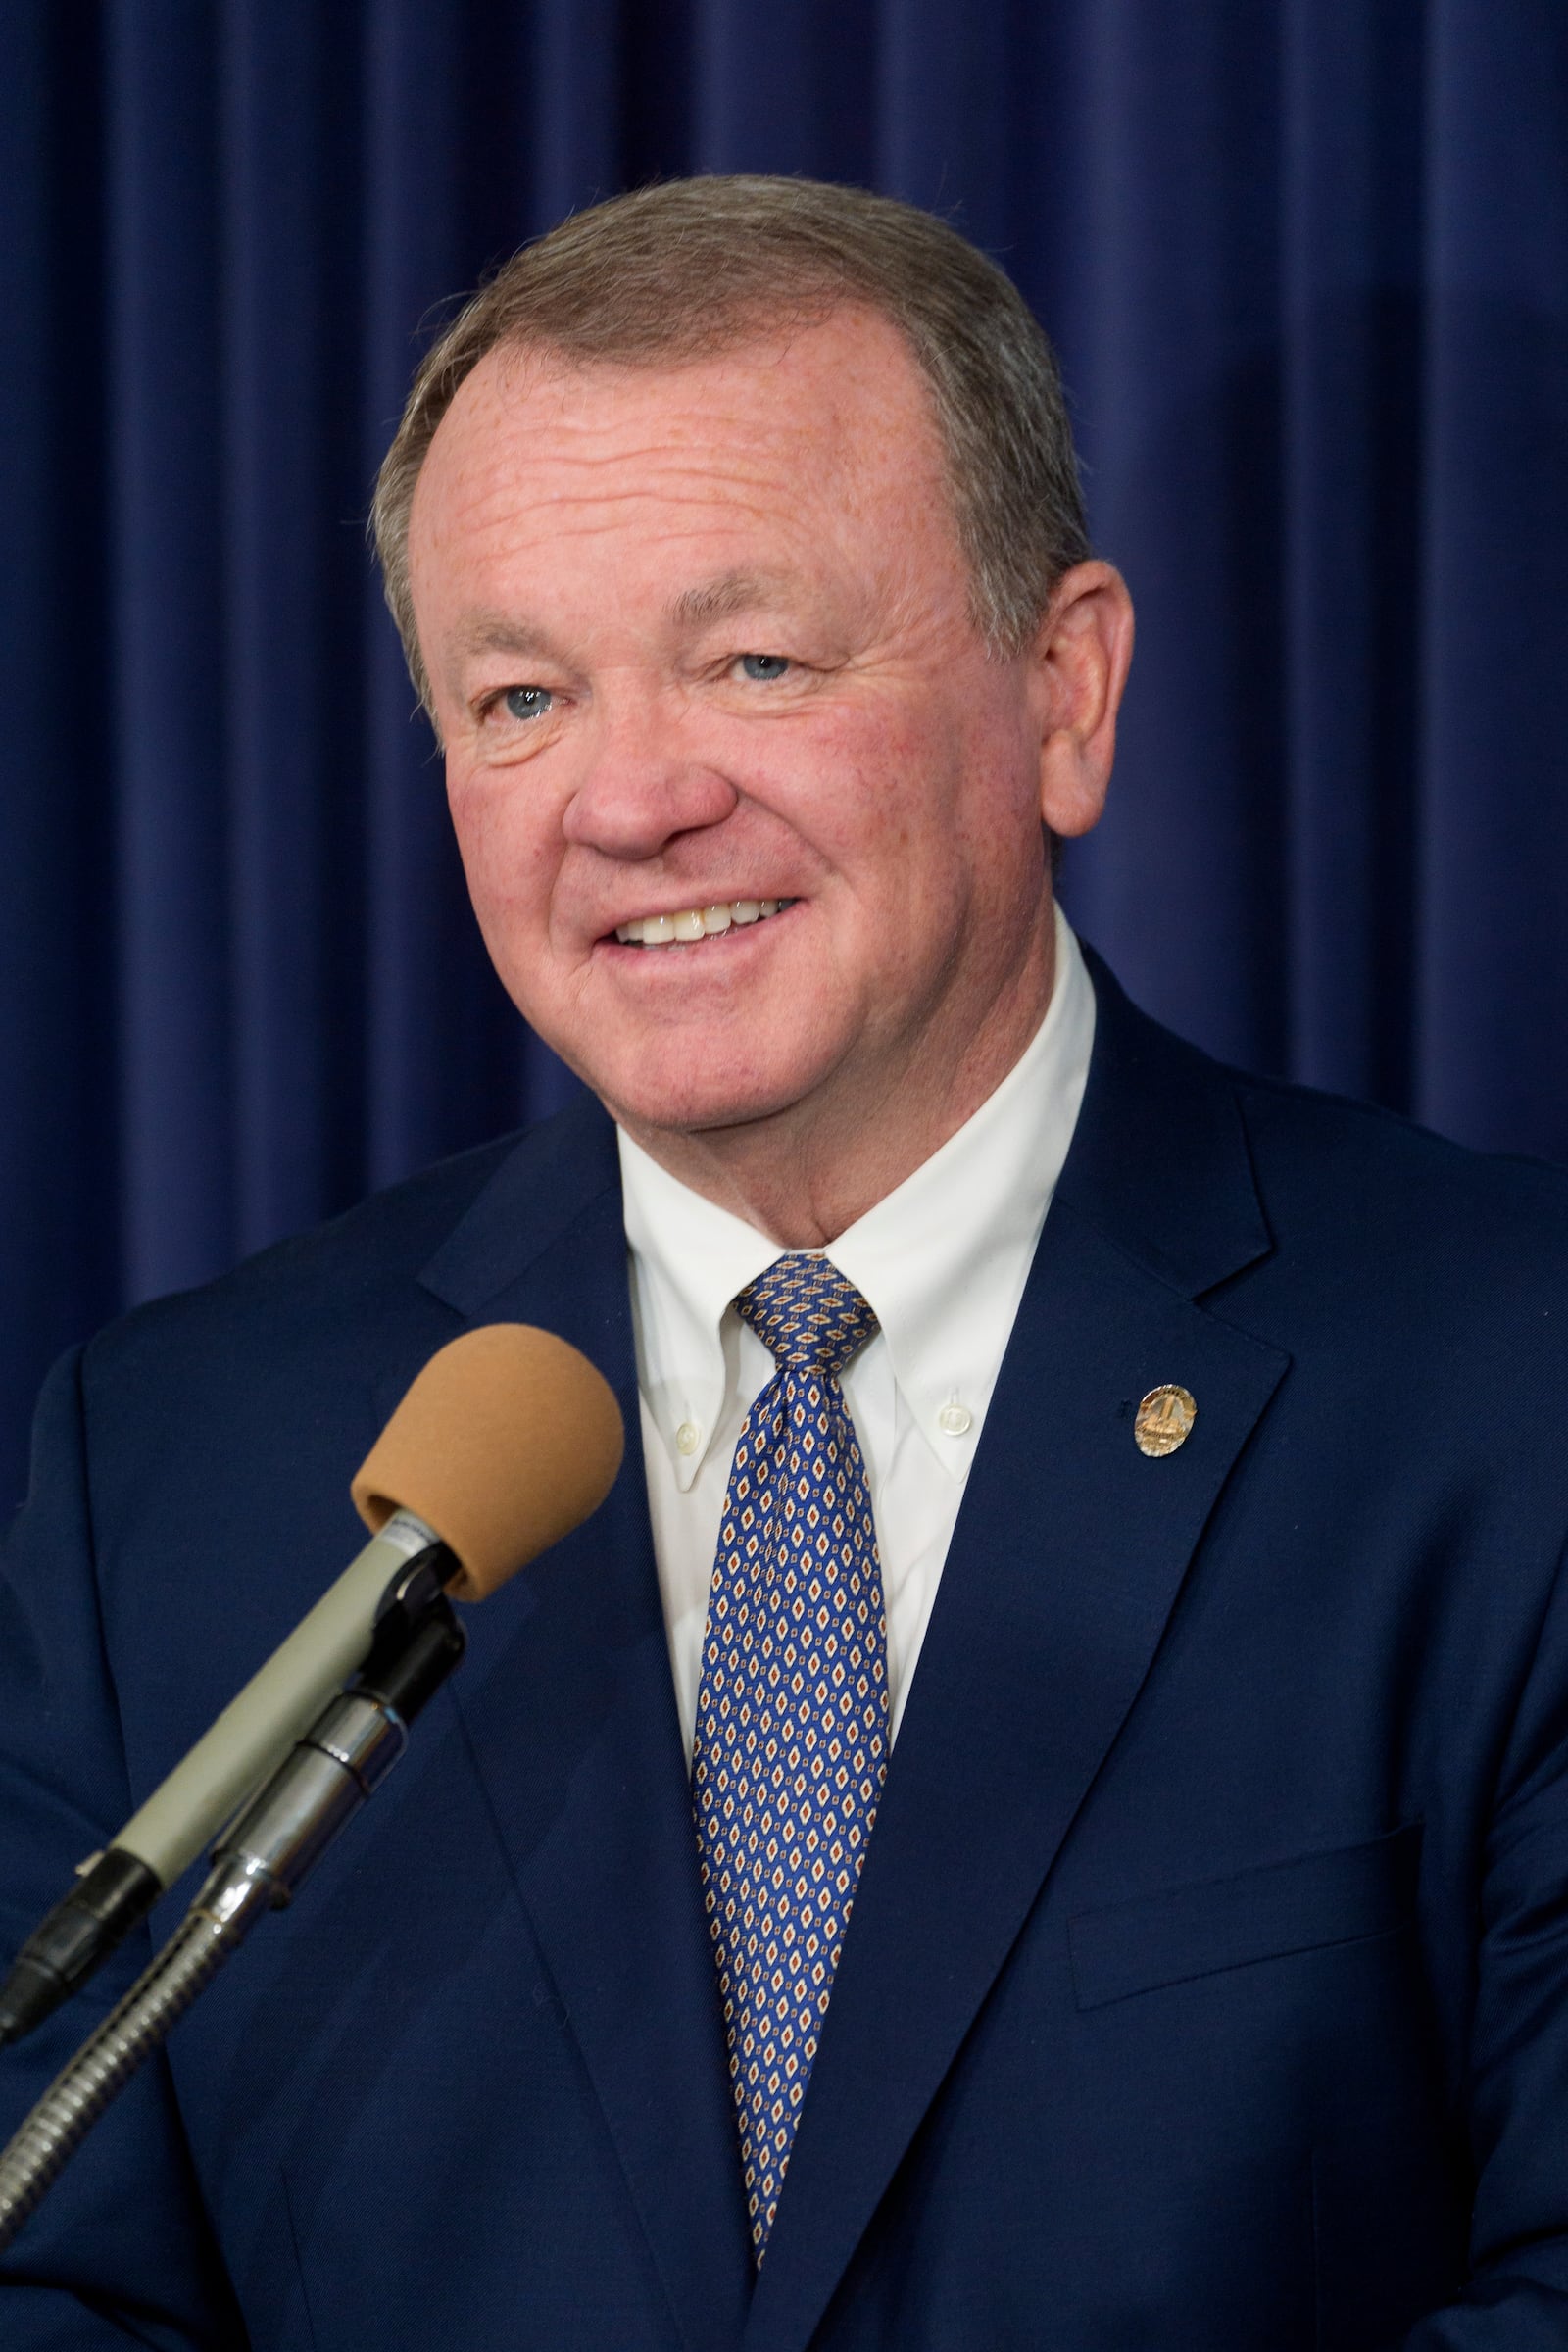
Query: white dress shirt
pixel 942 1260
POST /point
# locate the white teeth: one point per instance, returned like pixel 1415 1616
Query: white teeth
pixel 696 922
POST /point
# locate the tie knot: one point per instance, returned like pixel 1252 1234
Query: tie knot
pixel 808 1316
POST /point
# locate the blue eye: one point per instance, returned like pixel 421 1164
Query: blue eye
pixel 528 702
pixel 764 668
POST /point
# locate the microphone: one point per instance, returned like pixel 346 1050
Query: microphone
pixel 504 1442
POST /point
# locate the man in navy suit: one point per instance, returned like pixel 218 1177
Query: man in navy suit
pixel 1205 1980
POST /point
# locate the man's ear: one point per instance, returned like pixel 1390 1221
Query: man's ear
pixel 1079 662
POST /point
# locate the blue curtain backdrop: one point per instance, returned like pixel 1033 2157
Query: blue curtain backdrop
pixel 1307 262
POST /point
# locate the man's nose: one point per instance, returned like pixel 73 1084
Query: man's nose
pixel 645 780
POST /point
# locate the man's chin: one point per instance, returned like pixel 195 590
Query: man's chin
pixel 707 1103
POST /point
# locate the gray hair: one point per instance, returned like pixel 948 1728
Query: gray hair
pixel 692 268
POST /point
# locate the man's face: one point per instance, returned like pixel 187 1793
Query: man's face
pixel 699 644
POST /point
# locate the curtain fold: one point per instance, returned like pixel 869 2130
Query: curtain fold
pixel 1307 263
pixel 1493 875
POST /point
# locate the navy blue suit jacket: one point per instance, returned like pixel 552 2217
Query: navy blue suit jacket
pixel 1207 1982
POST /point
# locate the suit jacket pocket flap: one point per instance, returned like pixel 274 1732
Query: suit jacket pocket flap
pixel 1293 1906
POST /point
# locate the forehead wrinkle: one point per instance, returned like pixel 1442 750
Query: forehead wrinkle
pixel 705 441
pixel 494 509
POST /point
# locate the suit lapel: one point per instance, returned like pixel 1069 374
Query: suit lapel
pixel 569 1710
pixel 1069 1553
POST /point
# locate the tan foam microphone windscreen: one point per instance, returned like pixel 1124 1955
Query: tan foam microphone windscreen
pixel 504 1442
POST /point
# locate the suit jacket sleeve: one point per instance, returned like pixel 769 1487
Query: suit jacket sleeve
pixel 121 2244
pixel 1516 2100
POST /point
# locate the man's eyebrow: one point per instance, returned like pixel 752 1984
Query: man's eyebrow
pixel 494 633
pixel 727 593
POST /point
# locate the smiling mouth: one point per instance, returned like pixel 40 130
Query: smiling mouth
pixel 697 922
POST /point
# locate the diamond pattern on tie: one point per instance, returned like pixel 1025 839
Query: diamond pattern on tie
pixel 792 1711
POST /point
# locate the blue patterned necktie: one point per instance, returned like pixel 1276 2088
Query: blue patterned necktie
pixel 792 1713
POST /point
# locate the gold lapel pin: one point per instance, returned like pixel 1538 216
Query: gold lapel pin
pixel 1164 1420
